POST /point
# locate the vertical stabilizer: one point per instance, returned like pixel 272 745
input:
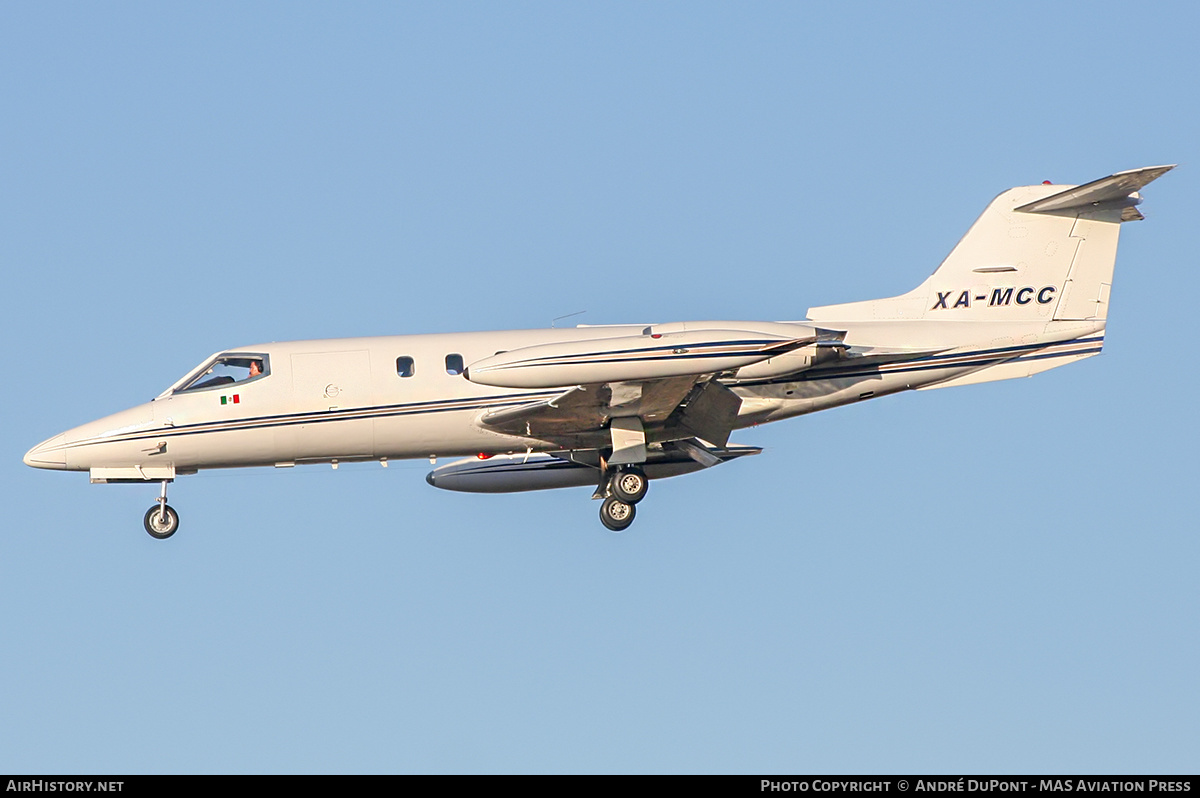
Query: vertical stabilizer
pixel 1036 252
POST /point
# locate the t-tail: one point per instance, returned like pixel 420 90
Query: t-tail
pixel 1036 253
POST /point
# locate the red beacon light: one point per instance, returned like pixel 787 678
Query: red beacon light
pixel 484 456
pixel 1047 183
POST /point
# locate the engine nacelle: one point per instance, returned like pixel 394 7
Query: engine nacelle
pixel 827 346
pixel 653 355
pixel 778 366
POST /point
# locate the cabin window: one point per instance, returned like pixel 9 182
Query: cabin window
pixel 454 365
pixel 229 369
pixel 405 366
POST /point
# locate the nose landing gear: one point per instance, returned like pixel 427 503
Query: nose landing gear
pixel 161 520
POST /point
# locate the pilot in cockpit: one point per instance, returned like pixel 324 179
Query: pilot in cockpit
pixel 228 371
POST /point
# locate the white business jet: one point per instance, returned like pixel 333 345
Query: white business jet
pixel 1025 290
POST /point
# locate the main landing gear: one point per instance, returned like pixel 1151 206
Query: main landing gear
pixel 621 490
pixel 161 520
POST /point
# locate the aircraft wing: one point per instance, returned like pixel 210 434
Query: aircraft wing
pixel 671 408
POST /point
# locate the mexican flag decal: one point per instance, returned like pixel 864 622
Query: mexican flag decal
pixel 231 400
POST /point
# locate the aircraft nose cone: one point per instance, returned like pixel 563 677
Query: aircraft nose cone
pixel 48 454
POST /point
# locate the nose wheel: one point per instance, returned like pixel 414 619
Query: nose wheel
pixel 161 520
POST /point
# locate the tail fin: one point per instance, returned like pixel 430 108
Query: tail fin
pixel 1036 252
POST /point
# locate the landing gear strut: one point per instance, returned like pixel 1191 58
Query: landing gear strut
pixel 621 490
pixel 161 520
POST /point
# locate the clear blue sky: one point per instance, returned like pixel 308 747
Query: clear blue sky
pixel 998 578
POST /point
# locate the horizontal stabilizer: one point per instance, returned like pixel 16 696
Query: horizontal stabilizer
pixel 1117 190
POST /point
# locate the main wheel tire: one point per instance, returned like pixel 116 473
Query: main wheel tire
pixel 616 514
pixel 157 526
pixel 630 485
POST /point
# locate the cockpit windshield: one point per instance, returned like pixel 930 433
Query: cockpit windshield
pixel 228 369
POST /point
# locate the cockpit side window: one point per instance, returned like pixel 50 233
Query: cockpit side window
pixel 229 369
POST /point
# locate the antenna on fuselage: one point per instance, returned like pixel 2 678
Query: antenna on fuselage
pixel 569 315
